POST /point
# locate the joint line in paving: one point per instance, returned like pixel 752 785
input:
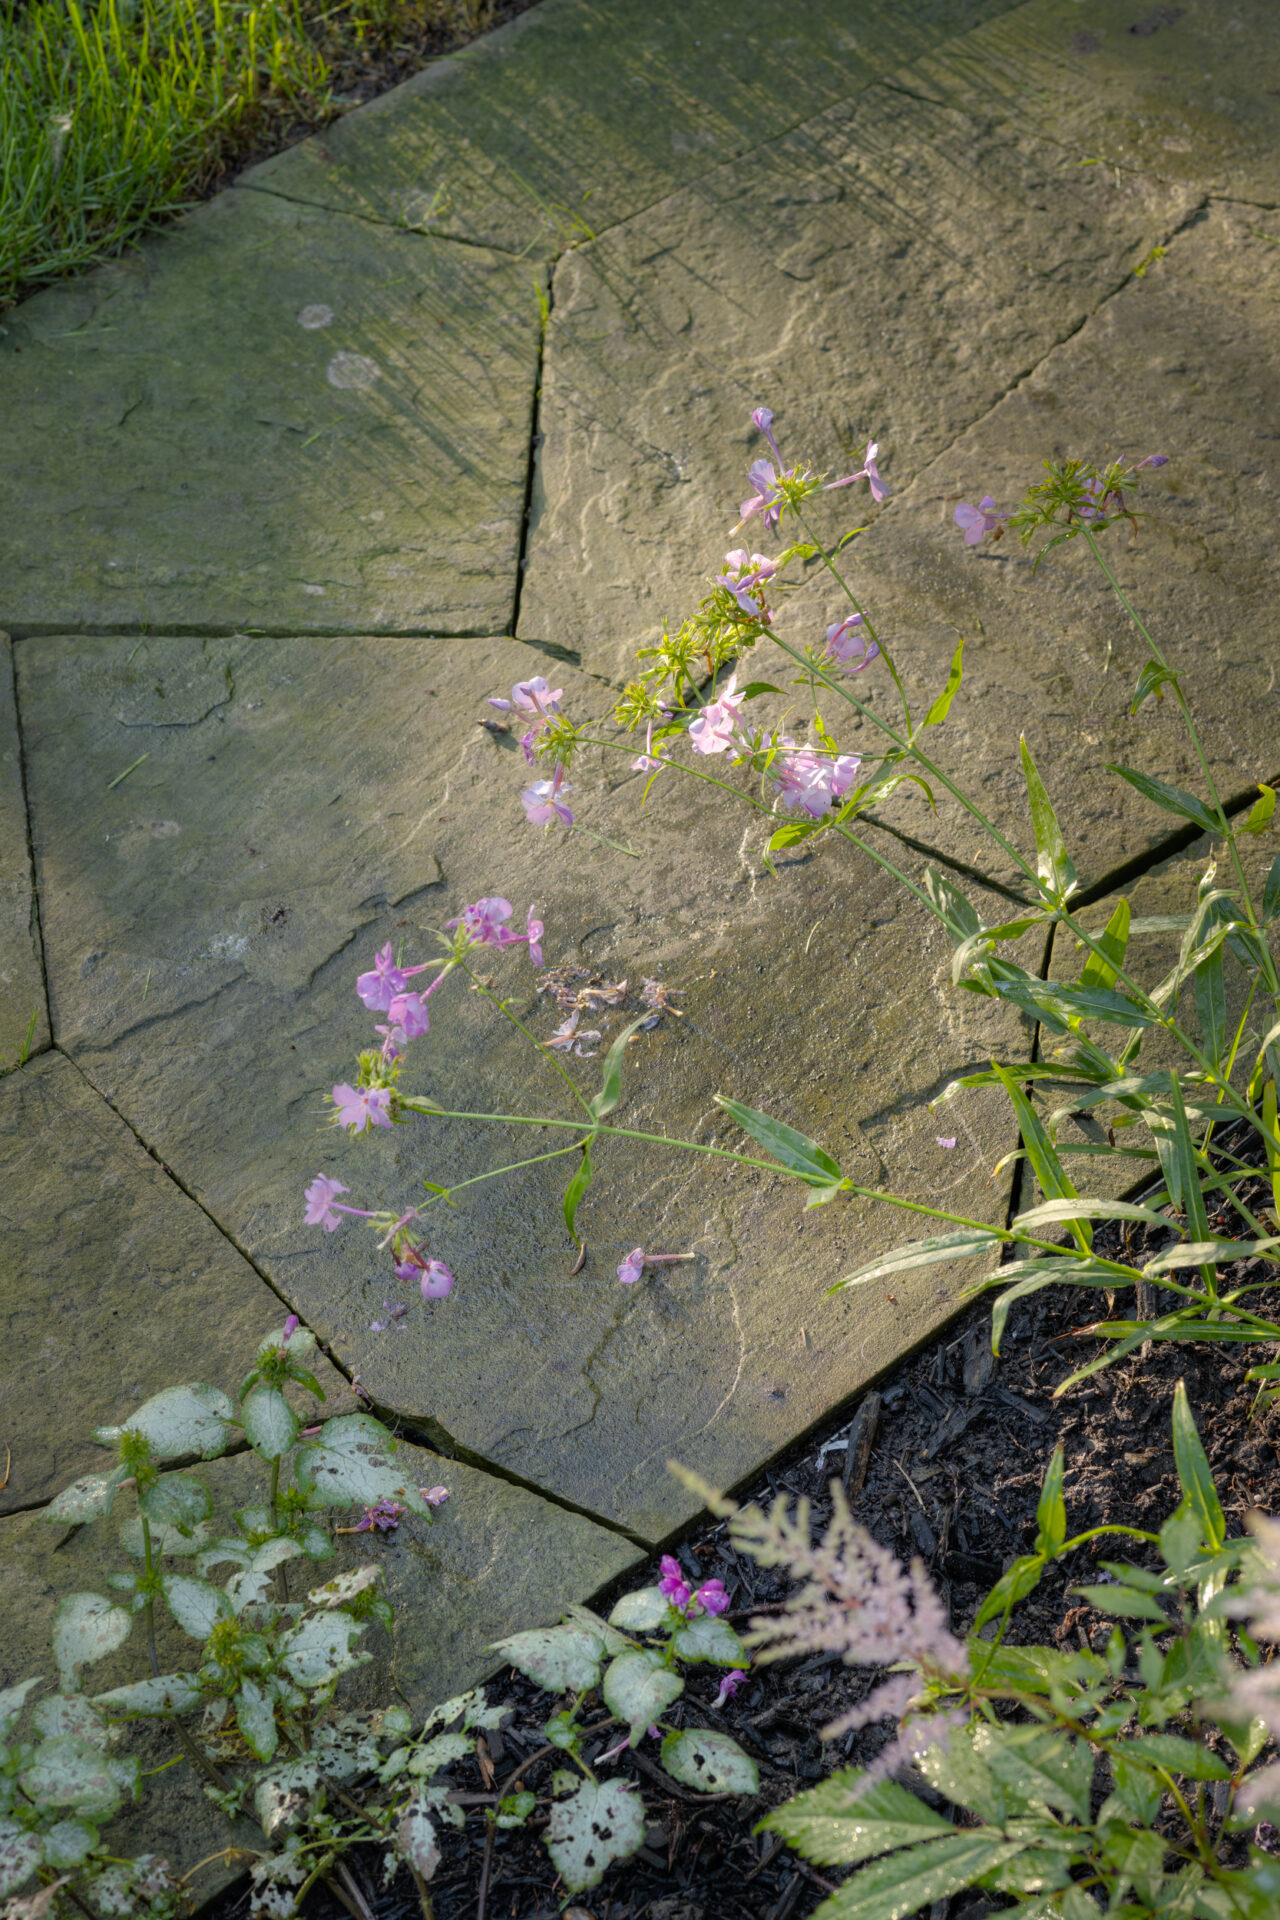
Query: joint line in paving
pixel 376 220
pixel 535 414
pixel 37 930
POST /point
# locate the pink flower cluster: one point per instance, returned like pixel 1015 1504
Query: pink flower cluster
pixel 536 697
pixel 743 576
pixel 809 780
pixel 676 1587
pixel 763 476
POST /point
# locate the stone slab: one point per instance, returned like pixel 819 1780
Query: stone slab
pixel 581 112
pixel 1184 361
pixel 251 868
pixel 275 418
pixel 889 270
pixel 21 971
pixel 496 1560
pixel 116 1284
pixel 1194 98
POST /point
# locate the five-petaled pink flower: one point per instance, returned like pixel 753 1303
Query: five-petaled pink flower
pixel 630 1269
pixel 531 696
pixel 810 780
pixel 712 1597
pixel 713 730
pixel 743 574
pixel 320 1197
pixel 765 494
pixel 408 1011
pixel 847 643
pixel 542 803
pixel 977 522
pixel 360 1107
pixel 378 988
pixel 483 922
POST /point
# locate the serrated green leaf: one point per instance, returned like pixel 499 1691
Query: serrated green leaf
pixel 353 1463
pixel 795 1150
pixel 592 1828
pixel 85 1499
pixel 902 1883
pixel 942 705
pixel 841 1822
pixel 1195 1475
pixel 638 1687
pixel 1172 799
pixel 1172 1751
pixel 1043 1766
pixel 563 1659
pixel 961 1245
pixel 710 1762
pixel 184 1420
pixel 176 1501
pixel 86 1628
pixel 642 1611
pixel 74 1774
pixel 270 1424
pixel 159 1693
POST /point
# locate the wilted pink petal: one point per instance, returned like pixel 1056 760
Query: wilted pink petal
pixel 632 1267
pixel 948 1144
pixel 437 1282
pixel 434 1496
pixel 533 931
pixel 731 1684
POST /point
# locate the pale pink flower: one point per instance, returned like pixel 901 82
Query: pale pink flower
pixel 743 574
pixel 483 922
pixel 630 1269
pixel 378 988
pixel 320 1197
pixel 434 1496
pixel 536 696
pixel 437 1282
pixel 764 496
pixel 542 803
pixel 361 1107
pixel 713 730
pixel 762 419
pixel 977 522
pixel 948 1144
pixel 809 780
pixel 533 931
pixel 868 471
pixel 848 644
pixel 408 1011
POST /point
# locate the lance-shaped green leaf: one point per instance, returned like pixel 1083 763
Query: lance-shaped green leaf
pixel 1045 1164
pixel 352 1463
pixel 178 1422
pixel 1054 1212
pixel 1194 1472
pixel 942 705
pixel 1123 1603
pixel 1100 967
pixel 955 910
pixel 86 1628
pixel 795 1150
pixel 593 1827
pixel 842 1821
pixel 270 1423
pixel 1153 679
pixel 1261 810
pixel 638 1687
pixel 793 832
pixel 611 1073
pixel 1060 1004
pixel 1172 799
pixel 1271 892
pixel 575 1190
pixel 960 1245
pixel 1217 1253
pixel 1014 1584
pixel 711 1762
pixel 563 1659
pixel 1052 863
pixel 1051 1513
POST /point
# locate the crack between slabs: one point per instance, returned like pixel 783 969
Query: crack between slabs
pixel 27 635
pixel 440 1440
pixel 546 303
pixel 36 926
pixel 373 220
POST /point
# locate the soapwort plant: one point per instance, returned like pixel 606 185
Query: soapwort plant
pixel 256 1715
pixel 1201 1129
pixel 1123 1778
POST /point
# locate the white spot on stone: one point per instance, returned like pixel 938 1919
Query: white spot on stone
pixel 353 370
pixel 313 317
pixel 227 946
pixel 164 829
pixel 307 589
pixel 1176 145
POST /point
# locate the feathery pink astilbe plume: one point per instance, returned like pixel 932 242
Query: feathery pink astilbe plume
pixel 855 1599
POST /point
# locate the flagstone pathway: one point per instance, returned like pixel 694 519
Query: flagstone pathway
pixel 458 392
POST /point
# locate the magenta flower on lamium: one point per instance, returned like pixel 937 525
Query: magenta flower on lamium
pixel 848 645
pixel 673 1584
pixel 542 803
pixel 712 1597
pixel 714 728
pixel 320 1197
pixel 361 1107
pixel 378 988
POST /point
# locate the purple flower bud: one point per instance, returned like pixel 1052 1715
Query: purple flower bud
pixel 290 1328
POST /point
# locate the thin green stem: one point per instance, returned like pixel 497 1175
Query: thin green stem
pixel 513 1166
pixel 829 563
pixel 550 1058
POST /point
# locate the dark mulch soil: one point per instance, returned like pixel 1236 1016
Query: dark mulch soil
pixel 961 1446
